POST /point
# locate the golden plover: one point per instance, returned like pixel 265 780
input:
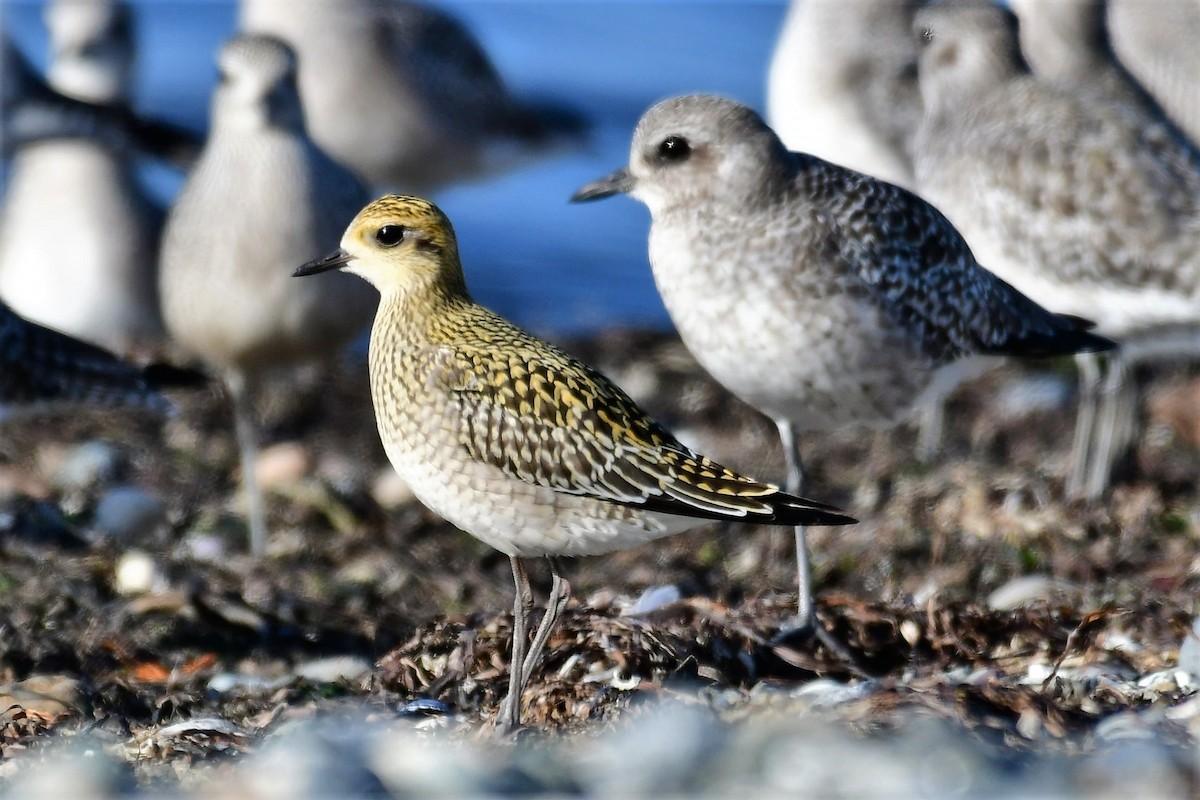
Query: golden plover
pixel 1077 198
pixel 843 84
pixel 261 199
pixel 511 439
pixel 78 234
pixel 401 92
pixel 821 296
pixel 41 367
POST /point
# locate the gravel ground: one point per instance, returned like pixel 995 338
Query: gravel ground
pixel 1005 642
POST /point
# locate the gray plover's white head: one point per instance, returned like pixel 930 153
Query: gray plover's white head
pixel 91 42
pixel 967 48
pixel 258 84
pixel 697 147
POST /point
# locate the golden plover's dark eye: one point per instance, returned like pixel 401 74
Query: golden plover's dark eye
pixel 674 148
pixel 389 235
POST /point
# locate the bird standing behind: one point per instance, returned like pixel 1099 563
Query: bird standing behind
pixel 78 234
pixel 1075 196
pixel 402 93
pixel 261 199
pixel 511 439
pixel 823 297
pixel 843 84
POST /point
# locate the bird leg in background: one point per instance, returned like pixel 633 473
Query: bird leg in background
pixel 804 619
pixel 509 718
pixel 243 419
pixel 1112 431
pixel 1085 421
pixel 560 593
pixel 931 421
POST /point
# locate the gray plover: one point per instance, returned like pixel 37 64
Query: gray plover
pixel 261 199
pixel 821 296
pixel 842 84
pixel 1081 202
pixel 104 291
pixel 402 93
pixel 1158 43
pixel 511 439
pixel 41 368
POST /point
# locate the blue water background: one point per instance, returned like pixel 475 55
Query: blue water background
pixel 553 266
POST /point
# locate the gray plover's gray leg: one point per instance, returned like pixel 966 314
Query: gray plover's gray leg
pixel 509 718
pixel 931 421
pixel 1085 422
pixel 560 593
pixel 1112 423
pixel 803 621
pixel 247 439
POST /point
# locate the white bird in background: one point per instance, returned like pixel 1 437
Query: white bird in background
pixel 78 235
pixel 402 93
pixel 261 199
pixel 843 84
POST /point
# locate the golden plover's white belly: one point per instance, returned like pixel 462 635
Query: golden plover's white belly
pixel 519 518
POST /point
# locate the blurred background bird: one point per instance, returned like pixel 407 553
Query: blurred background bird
pixel 403 94
pixel 78 233
pixel 1078 195
pixel 261 199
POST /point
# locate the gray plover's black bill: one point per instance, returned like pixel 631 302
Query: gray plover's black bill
pixel 618 182
pixel 335 260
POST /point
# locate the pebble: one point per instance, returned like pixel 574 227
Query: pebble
pixel 333 669
pixel 86 465
pixel 282 464
pixel 130 513
pixel 138 573
pixel 1024 590
pixel 654 598
pixel 390 490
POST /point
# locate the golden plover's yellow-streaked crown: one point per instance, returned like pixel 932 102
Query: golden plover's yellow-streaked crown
pixel 821 296
pixel 510 438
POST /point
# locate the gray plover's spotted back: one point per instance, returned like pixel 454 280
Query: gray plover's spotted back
pixel 843 84
pixel 78 235
pixel 1157 43
pixel 40 368
pixel 402 93
pixel 513 440
pixel 821 296
pixel 261 199
pixel 1081 202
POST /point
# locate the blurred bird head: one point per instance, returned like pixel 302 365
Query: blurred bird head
pixel 398 243
pixel 968 47
pixel 91 43
pixel 697 148
pixel 257 85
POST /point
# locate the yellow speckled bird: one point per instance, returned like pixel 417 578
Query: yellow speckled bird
pixel 513 440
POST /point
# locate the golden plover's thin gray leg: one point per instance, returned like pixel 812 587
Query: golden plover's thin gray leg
pixel 247 441
pixel 510 710
pixel 556 604
pixel 931 422
pixel 1085 421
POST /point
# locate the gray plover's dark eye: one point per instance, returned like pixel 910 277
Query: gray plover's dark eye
pixel 674 148
pixel 389 235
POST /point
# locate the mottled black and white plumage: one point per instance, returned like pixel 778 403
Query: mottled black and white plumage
pixel 42 368
pixel 821 296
